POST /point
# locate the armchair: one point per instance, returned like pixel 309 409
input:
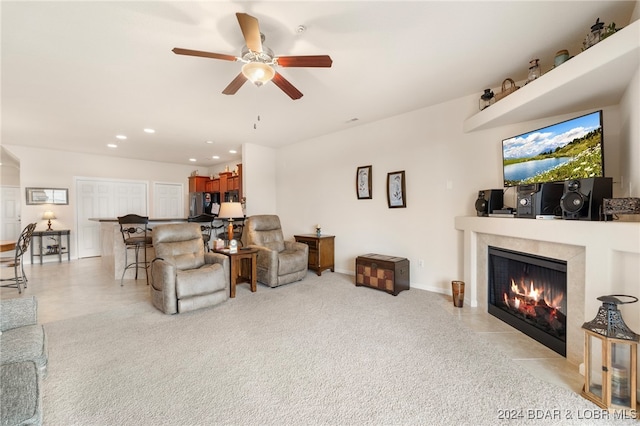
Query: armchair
pixel 184 277
pixel 279 261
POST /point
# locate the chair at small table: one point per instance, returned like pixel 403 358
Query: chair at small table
pixel 135 234
pixel 206 226
pixel 19 278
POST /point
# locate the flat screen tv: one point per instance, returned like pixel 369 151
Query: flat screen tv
pixel 564 151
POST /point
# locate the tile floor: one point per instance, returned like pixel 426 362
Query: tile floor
pixel 62 293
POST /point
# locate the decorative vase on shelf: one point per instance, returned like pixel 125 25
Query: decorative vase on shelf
pixel 318 233
pixel 534 70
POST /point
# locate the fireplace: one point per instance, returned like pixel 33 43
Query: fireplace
pixel 529 293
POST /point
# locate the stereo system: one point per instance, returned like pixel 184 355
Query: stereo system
pixel 582 198
pixel 576 199
pixel 539 199
pixel 488 201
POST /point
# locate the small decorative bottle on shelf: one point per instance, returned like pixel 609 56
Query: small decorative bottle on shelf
pixel 534 70
pixel 318 231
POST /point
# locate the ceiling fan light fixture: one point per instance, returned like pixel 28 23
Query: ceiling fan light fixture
pixel 258 73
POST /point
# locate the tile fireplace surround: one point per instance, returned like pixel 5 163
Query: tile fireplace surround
pixel 602 258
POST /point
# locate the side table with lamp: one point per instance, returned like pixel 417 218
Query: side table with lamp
pixel 231 212
pixel 55 248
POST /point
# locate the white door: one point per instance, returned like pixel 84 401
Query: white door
pixel 93 201
pixel 10 212
pixel 168 200
pixel 104 199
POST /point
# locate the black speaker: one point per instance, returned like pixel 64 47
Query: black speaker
pixel 488 201
pixel 546 201
pixel 539 199
pixel 582 198
pixel 525 201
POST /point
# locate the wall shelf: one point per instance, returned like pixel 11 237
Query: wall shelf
pixel 595 78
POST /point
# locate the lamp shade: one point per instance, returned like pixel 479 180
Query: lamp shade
pixel 230 211
pixel 258 73
pixel 48 215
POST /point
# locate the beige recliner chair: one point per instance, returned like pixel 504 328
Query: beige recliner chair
pixel 279 261
pixel 184 277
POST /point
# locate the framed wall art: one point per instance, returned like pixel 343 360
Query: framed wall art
pixel 396 196
pixel 47 196
pixel 363 182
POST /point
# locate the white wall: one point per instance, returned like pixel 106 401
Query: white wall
pixel 630 131
pixel 58 169
pixel 444 168
pixel 259 179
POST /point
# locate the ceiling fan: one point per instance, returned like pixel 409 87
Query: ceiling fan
pixel 259 60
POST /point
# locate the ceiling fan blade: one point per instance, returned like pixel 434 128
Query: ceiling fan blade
pixel 286 87
pixel 305 61
pixel 250 31
pixel 235 85
pixel 189 52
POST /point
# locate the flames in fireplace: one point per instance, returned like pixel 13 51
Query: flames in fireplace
pixel 536 305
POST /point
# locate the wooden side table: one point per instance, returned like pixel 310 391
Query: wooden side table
pixel 321 251
pixel 243 268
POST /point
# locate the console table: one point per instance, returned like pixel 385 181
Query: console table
pixel 321 250
pixel 53 249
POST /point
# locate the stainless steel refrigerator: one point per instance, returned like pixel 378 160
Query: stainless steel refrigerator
pixel 204 203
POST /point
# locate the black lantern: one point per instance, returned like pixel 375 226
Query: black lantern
pixel 486 99
pixel 610 357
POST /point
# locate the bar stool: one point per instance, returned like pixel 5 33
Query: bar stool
pixel 206 227
pixel 134 230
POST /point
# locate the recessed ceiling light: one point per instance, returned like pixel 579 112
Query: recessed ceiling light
pixel 209 142
pixel 149 131
pixel 112 145
pixel 121 137
pixel 216 157
pixel 232 151
pixel 192 159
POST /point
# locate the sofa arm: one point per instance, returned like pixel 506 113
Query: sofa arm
pixel 221 259
pixel 18 312
pixel 266 256
pixel 296 246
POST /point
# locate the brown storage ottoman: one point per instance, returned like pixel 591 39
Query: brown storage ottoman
pixel 387 273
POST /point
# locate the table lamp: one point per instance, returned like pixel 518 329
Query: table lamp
pixel 48 215
pixel 229 211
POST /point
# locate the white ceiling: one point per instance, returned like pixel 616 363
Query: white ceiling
pixel 76 74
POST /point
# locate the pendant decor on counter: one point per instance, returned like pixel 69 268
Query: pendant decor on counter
pixel 486 99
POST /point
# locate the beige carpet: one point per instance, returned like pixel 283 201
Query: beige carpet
pixel 319 351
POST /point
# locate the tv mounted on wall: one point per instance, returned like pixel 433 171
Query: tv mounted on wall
pixel 568 150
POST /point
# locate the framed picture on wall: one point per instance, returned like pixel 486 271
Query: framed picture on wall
pixel 363 182
pixel 47 196
pixel 396 196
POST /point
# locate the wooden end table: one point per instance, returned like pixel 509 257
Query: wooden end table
pixel 243 268
pixel 321 255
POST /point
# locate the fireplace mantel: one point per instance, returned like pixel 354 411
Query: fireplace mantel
pixel 602 257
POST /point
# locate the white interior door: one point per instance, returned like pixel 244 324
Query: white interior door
pixel 168 200
pixel 10 212
pixel 105 199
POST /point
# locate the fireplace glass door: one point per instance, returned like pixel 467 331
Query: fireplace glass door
pixel 529 293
